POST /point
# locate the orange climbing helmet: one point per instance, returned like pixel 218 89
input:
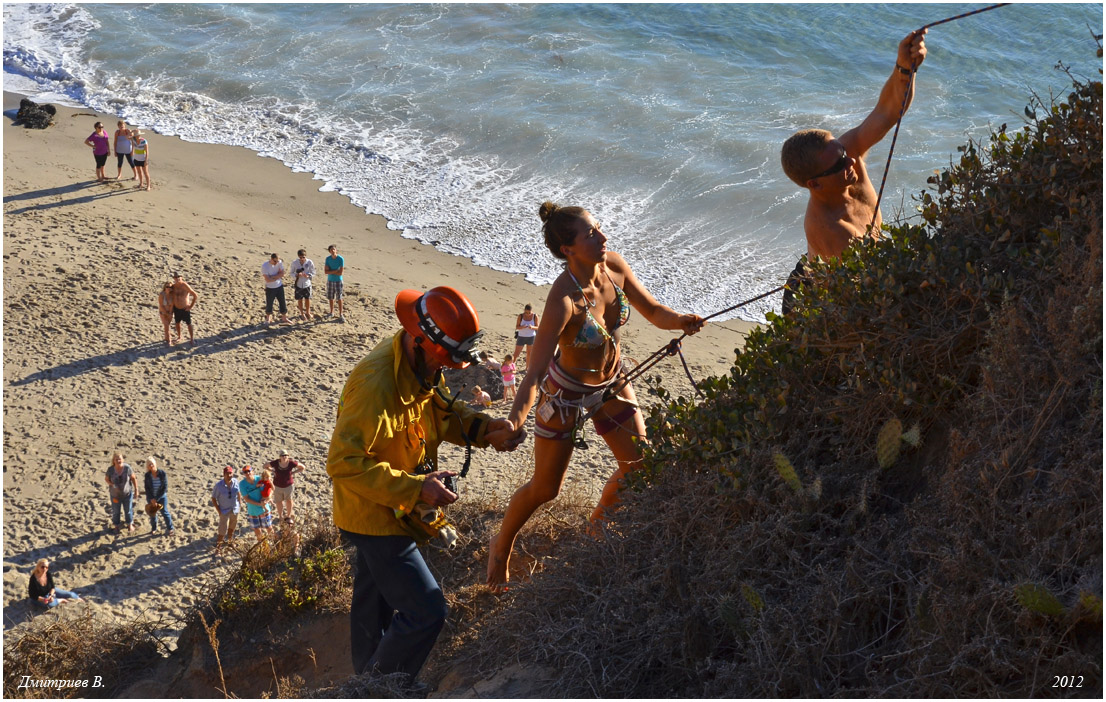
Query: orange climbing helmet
pixel 443 323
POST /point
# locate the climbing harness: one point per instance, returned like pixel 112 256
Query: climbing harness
pixel 672 348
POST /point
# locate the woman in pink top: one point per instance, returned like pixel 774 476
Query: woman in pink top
pixel 98 140
pixel 507 370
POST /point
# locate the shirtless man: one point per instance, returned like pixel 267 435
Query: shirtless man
pixel 182 306
pixel 842 199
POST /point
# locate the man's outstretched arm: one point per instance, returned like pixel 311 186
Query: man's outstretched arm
pixel 912 51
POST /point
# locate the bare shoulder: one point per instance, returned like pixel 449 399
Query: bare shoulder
pixel 615 262
pixel 561 297
pixel 618 266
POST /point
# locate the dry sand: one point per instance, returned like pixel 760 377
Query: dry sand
pixel 86 372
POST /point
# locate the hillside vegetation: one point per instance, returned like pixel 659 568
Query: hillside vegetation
pixel 896 492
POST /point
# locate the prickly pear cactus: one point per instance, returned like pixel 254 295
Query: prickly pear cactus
pixel 887 444
pixel 787 472
pixel 913 437
pixel 1037 598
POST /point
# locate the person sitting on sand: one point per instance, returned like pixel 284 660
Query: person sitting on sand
pixel 257 511
pixel 124 149
pixel 165 308
pixel 41 588
pixel 273 273
pixel 842 199
pixel 101 149
pixel 157 493
pixel 122 486
pixel 226 496
pixel 526 328
pixel 184 299
pixel 575 358
pixel 480 398
pixel 141 159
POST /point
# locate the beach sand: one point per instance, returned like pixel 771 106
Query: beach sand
pixel 86 372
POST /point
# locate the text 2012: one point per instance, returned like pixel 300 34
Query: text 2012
pixel 1067 681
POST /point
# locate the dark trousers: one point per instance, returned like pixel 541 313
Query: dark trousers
pixel 278 295
pixel 398 610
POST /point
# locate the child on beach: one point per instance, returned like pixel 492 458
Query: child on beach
pixel 480 398
pixel 141 155
pixel 267 489
pixel 507 370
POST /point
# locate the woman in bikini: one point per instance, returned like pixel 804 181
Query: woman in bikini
pixel 575 358
pixel 165 309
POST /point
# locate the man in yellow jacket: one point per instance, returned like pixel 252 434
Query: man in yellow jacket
pixel 393 413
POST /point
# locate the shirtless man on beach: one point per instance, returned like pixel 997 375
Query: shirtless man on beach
pixel 182 306
pixel 842 199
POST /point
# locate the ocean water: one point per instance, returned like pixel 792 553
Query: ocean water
pixel 455 121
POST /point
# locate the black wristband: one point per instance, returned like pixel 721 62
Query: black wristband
pixel 904 71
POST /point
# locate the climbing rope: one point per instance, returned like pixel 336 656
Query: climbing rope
pixel 672 348
pixel 906 96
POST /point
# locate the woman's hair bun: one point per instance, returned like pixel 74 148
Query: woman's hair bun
pixel 546 210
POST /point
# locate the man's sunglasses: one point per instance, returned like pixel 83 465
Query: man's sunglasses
pixel 837 167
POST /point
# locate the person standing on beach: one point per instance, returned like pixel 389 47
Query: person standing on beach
pixel 124 149
pixel 526 328
pixel 273 273
pixel 284 471
pixel 165 309
pixel 393 413
pixel 101 149
pixel 507 372
pixel 225 496
pixel 141 159
pixel 303 270
pixel 334 266
pixel 256 510
pixel 843 202
pixel 184 298
pixel 157 493
pixel 122 486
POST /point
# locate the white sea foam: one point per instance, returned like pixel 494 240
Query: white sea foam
pixel 456 121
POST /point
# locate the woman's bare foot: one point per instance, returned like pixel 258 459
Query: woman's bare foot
pixel 497 566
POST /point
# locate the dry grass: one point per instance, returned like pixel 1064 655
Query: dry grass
pixel 61 646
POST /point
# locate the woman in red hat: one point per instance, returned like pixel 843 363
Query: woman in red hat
pixel 575 358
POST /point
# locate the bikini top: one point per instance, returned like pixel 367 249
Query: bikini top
pixel 593 334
